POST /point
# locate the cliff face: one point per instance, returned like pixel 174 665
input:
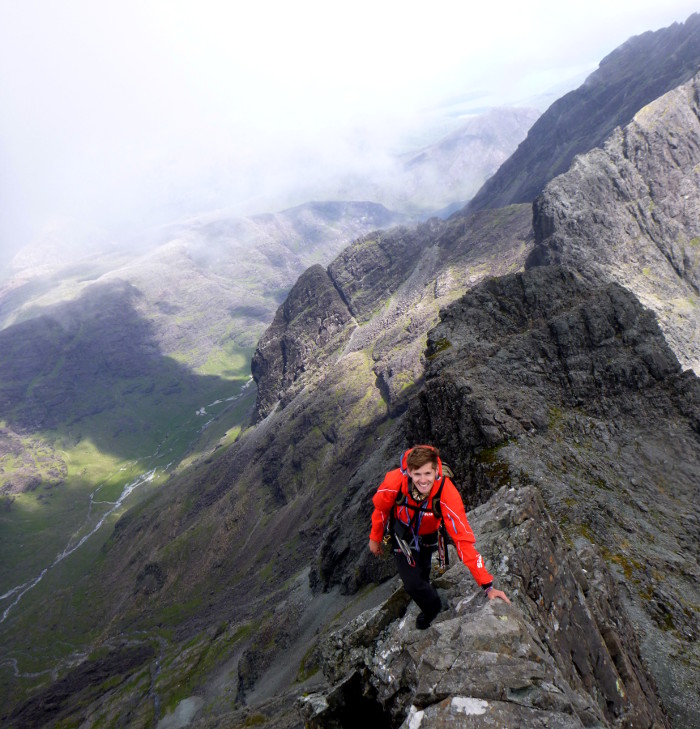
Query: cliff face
pixel 630 212
pixel 632 76
pixel 541 390
pixel 291 342
pixel 386 289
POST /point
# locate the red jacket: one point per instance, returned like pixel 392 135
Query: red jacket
pixel 452 510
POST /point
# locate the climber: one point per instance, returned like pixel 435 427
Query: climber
pixel 408 507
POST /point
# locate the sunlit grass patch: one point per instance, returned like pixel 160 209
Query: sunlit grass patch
pixel 230 362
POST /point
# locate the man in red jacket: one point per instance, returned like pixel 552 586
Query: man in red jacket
pixel 414 492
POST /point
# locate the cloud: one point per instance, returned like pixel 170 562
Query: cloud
pixel 125 114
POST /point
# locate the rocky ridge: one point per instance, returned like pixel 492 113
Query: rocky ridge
pixel 630 212
pixel 540 389
pixel 571 427
pixel 632 76
pixel 485 663
pixel 544 383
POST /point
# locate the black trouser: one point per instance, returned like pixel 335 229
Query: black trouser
pixel 416 580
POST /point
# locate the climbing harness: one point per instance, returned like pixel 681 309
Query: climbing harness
pixel 402 531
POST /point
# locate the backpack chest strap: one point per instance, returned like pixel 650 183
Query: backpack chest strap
pixel 435 505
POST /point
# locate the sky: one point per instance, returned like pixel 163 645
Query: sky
pixel 120 115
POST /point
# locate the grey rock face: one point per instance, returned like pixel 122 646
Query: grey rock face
pixel 567 393
pixel 313 318
pixel 548 380
pixel 517 346
pixel 552 659
pixel 378 298
pixel 630 212
pixel 632 76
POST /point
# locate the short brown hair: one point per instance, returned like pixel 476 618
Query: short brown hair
pixel 420 455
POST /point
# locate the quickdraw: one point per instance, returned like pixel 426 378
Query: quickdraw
pixel 403 546
pixel 443 554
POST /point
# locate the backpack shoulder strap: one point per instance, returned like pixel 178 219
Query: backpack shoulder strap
pixel 435 506
pixel 443 554
pixel 400 496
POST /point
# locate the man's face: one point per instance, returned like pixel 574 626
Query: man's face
pixel 423 478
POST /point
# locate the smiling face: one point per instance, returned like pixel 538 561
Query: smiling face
pixel 423 478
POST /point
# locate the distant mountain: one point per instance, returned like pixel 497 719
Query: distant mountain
pixel 453 169
pixel 636 73
pixel 445 173
pixel 254 259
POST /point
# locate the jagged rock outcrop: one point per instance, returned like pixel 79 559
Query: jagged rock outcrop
pixel 563 655
pixel 516 347
pixel 542 379
pixel 630 212
pixel 310 324
pixel 633 75
pixel 597 362
pixel 387 287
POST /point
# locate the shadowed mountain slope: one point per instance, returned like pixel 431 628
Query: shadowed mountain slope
pixel 633 75
pixel 120 356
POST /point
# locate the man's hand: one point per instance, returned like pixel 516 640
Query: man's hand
pixel 375 548
pixel 492 593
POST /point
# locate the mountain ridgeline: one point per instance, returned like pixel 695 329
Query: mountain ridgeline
pixel 548 349
pixel 633 75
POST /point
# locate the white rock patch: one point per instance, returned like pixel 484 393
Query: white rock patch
pixel 467 705
pixel 415 718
